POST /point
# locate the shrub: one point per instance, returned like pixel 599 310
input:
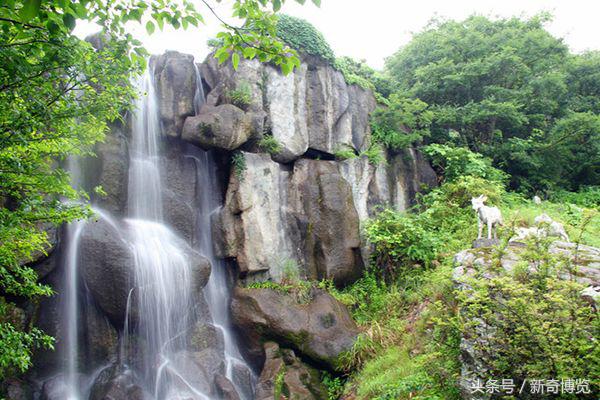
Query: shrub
pixel 541 326
pixel 344 153
pixel 269 144
pixel 400 240
pixel 401 123
pixel 241 96
pixel 454 162
pixel 302 36
pixel 375 154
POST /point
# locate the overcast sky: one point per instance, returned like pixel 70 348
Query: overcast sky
pixel 374 29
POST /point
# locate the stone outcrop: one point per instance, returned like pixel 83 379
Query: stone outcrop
pixel 324 198
pixel 175 78
pixel 320 329
pixel 285 376
pixel 224 127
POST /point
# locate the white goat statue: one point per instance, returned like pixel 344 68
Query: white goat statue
pixel 537 200
pixel 489 216
pixel 550 227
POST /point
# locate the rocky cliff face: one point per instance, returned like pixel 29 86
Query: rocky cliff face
pixel 295 207
pixel 292 211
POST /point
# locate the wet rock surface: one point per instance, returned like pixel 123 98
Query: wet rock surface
pixel 320 329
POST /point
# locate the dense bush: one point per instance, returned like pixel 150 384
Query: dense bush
pixel 302 36
pixel 401 123
pixel 454 162
pixel 537 323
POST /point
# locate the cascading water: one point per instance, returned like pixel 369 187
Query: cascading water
pixel 162 297
pixel 161 308
pixel 217 290
pixel 70 302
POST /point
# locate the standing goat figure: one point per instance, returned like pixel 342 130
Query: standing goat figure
pixel 489 216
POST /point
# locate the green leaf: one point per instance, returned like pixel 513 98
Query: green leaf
pixel 69 21
pixel 150 27
pixel 30 9
pixel 235 60
pixel 317 3
pixel 276 5
pixel 249 52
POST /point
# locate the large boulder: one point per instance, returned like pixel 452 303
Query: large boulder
pixel 178 176
pixel 255 226
pixel 110 170
pixel 325 198
pixel 287 118
pixel 175 77
pixel 107 264
pixel 115 383
pixel 285 376
pixel 224 127
pixel 320 329
pixel 329 122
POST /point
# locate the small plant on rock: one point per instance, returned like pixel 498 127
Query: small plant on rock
pixel 238 163
pixel 270 145
pixel 241 96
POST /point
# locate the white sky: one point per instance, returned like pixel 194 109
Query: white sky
pixel 375 29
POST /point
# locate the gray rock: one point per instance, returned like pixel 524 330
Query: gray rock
pixel 285 375
pixel 113 383
pixel 329 120
pixel 176 86
pixel 333 241
pixel 223 127
pixel 255 225
pixel 225 389
pixel 320 329
pixel 110 170
pixel 107 268
pixel 286 104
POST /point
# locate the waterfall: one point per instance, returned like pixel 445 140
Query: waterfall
pixel 162 306
pixel 162 297
pixel 217 292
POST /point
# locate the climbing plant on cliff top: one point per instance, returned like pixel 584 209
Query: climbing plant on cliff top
pixel 301 35
pixel 57 96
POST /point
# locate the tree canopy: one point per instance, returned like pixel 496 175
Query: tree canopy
pixel 508 89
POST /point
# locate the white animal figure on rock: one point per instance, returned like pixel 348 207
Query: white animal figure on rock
pixel 551 227
pixel 537 200
pixel 490 216
pixel 525 233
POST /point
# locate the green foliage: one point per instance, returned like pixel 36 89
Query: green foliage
pixel 269 144
pixel 345 153
pixel 375 153
pixel 454 162
pixel 539 325
pixel 403 122
pixel 507 89
pixel 400 240
pixel 302 36
pixel 241 96
pixel 586 197
pixel 17 344
pixel 238 162
pixel 334 385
